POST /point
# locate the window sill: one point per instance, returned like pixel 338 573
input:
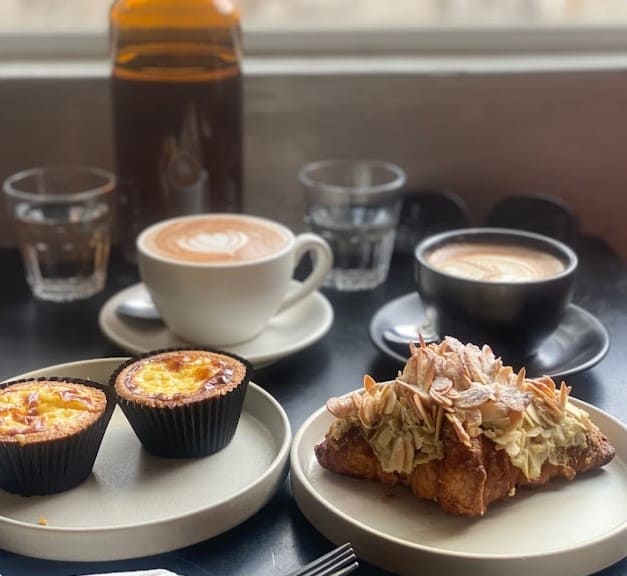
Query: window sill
pixel 443 41
pixel 65 68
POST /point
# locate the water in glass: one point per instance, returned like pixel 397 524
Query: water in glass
pixel 362 240
pixel 65 248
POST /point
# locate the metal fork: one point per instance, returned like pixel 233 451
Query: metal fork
pixel 338 562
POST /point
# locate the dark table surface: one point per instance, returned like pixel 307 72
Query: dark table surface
pixel 36 334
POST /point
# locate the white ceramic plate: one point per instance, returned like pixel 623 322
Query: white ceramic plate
pixel 292 330
pixel 135 504
pixel 573 528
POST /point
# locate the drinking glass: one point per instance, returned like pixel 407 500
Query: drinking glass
pixel 355 206
pixel 62 219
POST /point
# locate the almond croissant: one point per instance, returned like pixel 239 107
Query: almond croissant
pixel 460 428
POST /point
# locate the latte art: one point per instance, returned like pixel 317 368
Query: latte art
pixel 215 239
pixel 495 262
pixel 227 242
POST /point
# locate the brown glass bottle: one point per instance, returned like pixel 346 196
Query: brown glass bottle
pixel 177 107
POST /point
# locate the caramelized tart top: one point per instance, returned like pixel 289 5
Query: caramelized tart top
pixel 40 410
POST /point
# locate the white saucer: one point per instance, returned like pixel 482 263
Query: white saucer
pixel 292 330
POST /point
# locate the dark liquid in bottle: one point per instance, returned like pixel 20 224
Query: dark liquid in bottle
pixel 178 140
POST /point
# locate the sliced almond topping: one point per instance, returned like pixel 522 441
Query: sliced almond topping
pixel 453 394
pixel 409 370
pixel 492 411
pixel 564 392
pixel 545 386
pixel 427 375
pixel 555 409
pixel 369 383
pixel 405 386
pixel 548 412
pixel 473 397
pixel 513 398
pixel 503 375
pixel 532 414
pixel 540 389
pixel 467 385
pixel 520 378
pixel 462 435
pixel 515 418
pixel 473 363
pixel 426 399
pixel 434 411
pixel 442 384
pixel 368 411
pixel 489 363
pixel 466 382
pixel 388 401
pixel 343 407
pixel 421 409
pixel 440 398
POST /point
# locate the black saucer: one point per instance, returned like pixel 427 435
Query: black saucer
pixel 579 342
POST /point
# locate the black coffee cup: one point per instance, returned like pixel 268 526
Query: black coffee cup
pixel 513 317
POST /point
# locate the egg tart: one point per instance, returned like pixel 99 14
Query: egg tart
pixel 51 429
pixel 183 403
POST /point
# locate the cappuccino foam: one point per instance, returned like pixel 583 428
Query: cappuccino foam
pixel 216 239
pixel 495 262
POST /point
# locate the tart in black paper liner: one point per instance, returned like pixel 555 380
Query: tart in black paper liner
pixel 184 427
pixel 54 465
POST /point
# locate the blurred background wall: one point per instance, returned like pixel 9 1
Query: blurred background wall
pixel 484 135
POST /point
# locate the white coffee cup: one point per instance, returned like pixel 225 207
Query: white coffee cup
pixel 218 279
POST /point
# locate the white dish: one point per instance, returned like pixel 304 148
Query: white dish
pixel 135 504
pixel 573 528
pixel 292 330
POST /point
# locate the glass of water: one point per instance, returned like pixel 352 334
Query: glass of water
pixel 62 218
pixel 355 206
